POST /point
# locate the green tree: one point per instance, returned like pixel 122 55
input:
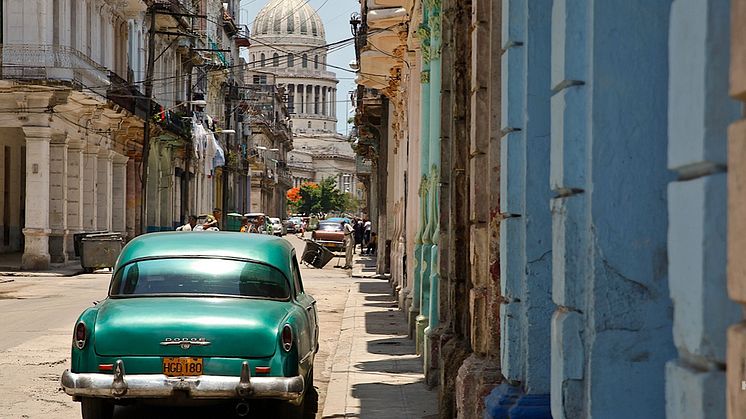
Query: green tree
pixel 321 198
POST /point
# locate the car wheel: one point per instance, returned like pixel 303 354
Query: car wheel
pixel 93 408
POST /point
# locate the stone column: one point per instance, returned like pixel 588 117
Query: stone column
pixel 433 229
pixel 736 353
pixel 90 188
pixel 131 204
pixel 119 194
pixel 697 209
pixel 526 227
pixel 138 197
pixel 416 316
pixel 299 99
pixel 333 103
pixel 58 189
pixel 104 190
pixel 611 330
pixel 75 166
pixel 480 372
pixel 36 229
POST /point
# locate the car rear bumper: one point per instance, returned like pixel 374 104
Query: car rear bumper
pixel 122 386
pixel 331 243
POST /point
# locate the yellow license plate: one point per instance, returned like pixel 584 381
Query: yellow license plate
pixel 182 366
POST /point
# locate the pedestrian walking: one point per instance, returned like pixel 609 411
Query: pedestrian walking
pixel 349 242
pixel 359 234
pixel 372 244
pixel 213 221
pixel 368 226
pixel 245 226
pixel 190 225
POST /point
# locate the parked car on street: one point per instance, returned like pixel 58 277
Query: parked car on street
pixel 293 224
pixel 330 235
pixel 211 316
pixel 278 229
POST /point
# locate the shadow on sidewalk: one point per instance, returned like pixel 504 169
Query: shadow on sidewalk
pixel 376 400
pixel 400 391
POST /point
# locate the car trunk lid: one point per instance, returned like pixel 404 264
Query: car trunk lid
pixel 144 326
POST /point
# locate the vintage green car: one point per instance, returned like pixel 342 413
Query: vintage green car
pixel 194 316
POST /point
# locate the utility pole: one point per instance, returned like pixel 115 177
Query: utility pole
pixel 146 126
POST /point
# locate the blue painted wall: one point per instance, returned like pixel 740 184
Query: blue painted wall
pixel 612 329
pixel 699 114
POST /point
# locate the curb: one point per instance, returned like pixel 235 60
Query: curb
pixel 335 403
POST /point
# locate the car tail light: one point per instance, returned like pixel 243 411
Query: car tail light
pixel 287 338
pixel 80 335
pixel 263 370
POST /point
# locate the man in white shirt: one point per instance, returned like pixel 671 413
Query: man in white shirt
pixel 190 225
pixel 349 243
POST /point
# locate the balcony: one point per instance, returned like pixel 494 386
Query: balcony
pixel 53 63
pixel 229 25
pixel 127 96
pixel 242 37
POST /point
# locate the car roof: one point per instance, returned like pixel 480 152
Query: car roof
pixel 264 248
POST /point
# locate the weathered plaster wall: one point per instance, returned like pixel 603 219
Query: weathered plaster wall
pixel 611 332
pixel 525 238
pixel 699 112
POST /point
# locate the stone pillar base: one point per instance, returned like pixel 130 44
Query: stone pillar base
pixel 58 252
pixel 476 379
pixel 508 402
pixel 453 351
pixel 431 357
pixel 412 321
pixel 36 254
pixel 421 323
pixel 405 300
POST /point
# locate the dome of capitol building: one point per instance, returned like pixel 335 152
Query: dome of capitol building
pixel 288 41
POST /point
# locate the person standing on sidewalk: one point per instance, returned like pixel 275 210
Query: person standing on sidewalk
pixel 359 233
pixel 349 243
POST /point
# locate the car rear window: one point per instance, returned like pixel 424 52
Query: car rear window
pixel 330 227
pixel 199 276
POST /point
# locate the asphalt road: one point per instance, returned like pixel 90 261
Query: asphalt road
pixel 36 321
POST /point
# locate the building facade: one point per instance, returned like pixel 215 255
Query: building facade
pixel 78 89
pixel 67 142
pixel 573 168
pixel 290 46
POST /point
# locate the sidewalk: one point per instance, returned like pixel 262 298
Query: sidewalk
pixel 375 372
pixel 10 265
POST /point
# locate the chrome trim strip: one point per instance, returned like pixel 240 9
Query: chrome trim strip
pixel 199 387
pixel 186 342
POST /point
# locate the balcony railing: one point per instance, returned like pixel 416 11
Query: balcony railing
pixel 127 96
pixel 53 62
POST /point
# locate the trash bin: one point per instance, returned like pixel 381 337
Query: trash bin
pixel 77 237
pixel 100 251
pixel 316 255
pixel 233 222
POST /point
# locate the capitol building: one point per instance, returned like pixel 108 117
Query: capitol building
pixel 289 43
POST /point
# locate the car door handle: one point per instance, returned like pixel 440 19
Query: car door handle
pixel 309 308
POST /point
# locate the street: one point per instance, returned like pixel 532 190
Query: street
pixel 38 316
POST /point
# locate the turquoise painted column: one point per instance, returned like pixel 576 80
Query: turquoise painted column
pixel 433 218
pixel 419 289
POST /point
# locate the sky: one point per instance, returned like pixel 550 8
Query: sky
pixel 336 17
